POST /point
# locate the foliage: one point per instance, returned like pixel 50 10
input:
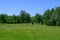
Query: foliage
pixel 38 18
pixel 50 17
pixel 25 17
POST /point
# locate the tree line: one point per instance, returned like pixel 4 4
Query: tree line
pixel 50 17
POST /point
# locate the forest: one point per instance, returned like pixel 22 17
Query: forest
pixel 50 17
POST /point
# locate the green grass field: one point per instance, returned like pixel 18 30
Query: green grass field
pixel 29 32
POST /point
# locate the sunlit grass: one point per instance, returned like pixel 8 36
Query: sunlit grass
pixel 29 32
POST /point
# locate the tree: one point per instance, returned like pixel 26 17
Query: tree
pixel 24 17
pixel 33 19
pixel 53 17
pixel 14 19
pixel 10 19
pixel 28 18
pixel 47 16
pixel 38 18
pixel 57 9
pixel 3 18
pixel 18 19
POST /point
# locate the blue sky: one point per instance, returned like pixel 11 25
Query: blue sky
pixel 11 7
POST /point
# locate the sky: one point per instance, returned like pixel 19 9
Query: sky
pixel 11 7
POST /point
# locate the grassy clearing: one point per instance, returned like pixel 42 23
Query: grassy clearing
pixel 29 32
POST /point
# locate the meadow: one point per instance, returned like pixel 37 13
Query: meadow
pixel 29 32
